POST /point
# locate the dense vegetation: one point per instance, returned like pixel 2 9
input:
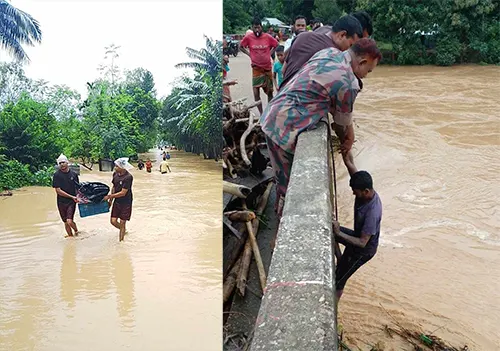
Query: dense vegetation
pixel 121 116
pixel 191 114
pixel 39 121
pixel 455 31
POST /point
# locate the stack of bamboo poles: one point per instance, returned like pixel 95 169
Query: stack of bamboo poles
pixel 238 274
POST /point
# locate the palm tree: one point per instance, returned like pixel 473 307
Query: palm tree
pixel 209 59
pixel 192 112
pixel 17 27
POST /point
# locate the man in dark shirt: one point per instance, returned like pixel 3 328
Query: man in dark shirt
pixel 122 195
pixel 362 242
pixel 344 33
pixel 65 183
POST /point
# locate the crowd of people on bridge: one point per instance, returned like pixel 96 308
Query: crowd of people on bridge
pixel 317 77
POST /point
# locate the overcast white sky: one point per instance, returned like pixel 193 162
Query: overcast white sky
pixel 152 35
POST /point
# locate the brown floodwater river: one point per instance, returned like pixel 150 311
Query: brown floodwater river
pixel 159 289
pixel 430 137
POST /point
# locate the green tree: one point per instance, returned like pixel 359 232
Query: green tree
pixel 208 59
pixel 139 78
pixel 462 30
pixel 191 113
pixel 328 11
pixel 17 28
pixel 29 133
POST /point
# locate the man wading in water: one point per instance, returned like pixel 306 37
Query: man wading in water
pixel 164 167
pixel 362 242
pixel 121 194
pixel 261 46
pixel 64 182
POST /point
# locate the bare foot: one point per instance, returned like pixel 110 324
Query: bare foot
pixel 76 233
pixel 67 236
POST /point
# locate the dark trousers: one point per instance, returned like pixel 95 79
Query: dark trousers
pixel 352 259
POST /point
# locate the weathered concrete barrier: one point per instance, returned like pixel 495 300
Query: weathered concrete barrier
pixel 298 307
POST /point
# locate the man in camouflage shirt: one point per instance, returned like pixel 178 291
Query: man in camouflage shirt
pixel 328 82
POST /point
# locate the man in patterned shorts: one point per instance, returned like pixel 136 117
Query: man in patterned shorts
pixel 328 82
pixel 260 47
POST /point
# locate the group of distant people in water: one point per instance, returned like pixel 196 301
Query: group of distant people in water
pixel 317 78
pixel 164 165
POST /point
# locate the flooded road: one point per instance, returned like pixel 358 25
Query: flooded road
pixel 430 137
pixel 157 290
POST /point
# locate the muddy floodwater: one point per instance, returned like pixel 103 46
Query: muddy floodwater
pixel 430 137
pixel 159 289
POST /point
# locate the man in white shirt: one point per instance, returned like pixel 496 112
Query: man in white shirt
pixel 299 26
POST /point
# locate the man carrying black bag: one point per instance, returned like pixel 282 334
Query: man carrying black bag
pixel 122 193
pixel 65 183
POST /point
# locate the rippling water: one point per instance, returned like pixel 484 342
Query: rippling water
pixel 430 137
pixel 158 290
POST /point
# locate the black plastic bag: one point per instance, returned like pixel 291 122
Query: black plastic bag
pixel 93 192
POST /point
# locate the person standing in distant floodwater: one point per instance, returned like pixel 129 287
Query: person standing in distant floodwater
pixel 259 47
pixel 65 183
pixel 164 167
pixel 140 165
pixel 149 165
pixel 168 156
pixel 121 194
pixel 361 243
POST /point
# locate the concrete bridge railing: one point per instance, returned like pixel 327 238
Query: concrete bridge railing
pixel 298 306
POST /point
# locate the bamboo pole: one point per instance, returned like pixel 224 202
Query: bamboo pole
pixel 258 258
pixel 240 191
pixel 240 216
pixel 230 281
pixel 247 252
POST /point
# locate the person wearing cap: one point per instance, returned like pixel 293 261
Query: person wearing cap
pixel 65 183
pixel 121 195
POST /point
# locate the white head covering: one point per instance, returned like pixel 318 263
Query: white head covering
pixel 62 158
pixel 122 162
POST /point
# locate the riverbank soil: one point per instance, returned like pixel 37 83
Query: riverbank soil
pixel 153 291
pixel 430 137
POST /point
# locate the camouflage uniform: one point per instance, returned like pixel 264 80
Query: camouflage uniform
pixel 326 83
